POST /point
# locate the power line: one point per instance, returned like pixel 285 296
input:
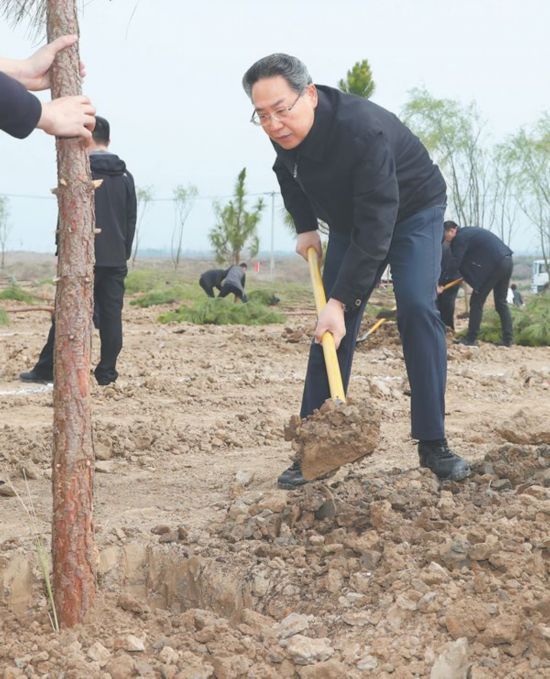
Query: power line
pixel 152 200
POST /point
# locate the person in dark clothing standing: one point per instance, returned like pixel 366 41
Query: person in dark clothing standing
pixel 446 298
pixel 354 165
pixel 234 282
pixel 485 263
pixel 212 279
pixel 21 112
pixel 115 213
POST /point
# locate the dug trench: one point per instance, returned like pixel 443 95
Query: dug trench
pixel 392 574
pixel 206 570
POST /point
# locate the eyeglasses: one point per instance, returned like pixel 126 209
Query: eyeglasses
pixel 279 114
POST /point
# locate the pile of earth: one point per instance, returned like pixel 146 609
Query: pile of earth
pixel 390 573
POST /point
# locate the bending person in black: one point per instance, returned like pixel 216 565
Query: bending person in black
pixel 115 212
pixel 485 263
pixel 212 279
pixel 446 298
pixel 349 162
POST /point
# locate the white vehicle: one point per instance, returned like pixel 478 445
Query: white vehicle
pixel 539 277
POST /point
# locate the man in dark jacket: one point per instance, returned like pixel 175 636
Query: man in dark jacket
pixel 446 298
pixel 115 214
pixel 354 165
pixel 21 112
pixel 485 263
pixel 212 279
pixel 234 281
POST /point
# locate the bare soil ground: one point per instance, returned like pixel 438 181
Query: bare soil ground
pixel 207 570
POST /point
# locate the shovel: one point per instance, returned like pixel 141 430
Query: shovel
pixel 390 314
pixel 327 341
pixel 340 431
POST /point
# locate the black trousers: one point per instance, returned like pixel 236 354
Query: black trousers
pixel 498 282
pixel 207 287
pixel 415 260
pixel 108 302
pixel 446 305
pixel 230 289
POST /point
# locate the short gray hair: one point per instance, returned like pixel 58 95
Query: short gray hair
pixel 290 68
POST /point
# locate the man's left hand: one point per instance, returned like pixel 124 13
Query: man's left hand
pixel 33 72
pixel 331 319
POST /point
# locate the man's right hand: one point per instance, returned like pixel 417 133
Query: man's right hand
pixel 309 239
pixel 68 117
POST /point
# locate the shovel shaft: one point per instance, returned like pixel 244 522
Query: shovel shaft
pixel 452 284
pixel 375 326
pixel 329 348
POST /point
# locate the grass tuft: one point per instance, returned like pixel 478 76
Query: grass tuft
pixel 41 551
pixel 16 293
pixel 531 323
pixel 223 312
pixel 156 297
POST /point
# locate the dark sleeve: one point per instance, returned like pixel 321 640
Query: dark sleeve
pixel 375 206
pixel 449 268
pixel 295 200
pixel 20 110
pixel 459 246
pixel 243 280
pixel 131 214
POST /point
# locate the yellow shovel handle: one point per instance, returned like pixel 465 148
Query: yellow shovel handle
pixel 329 348
pixel 452 284
pixel 378 323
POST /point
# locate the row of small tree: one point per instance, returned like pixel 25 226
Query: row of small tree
pixel 234 232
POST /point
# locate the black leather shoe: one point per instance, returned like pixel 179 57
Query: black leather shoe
pixel 467 342
pixel 437 456
pixel 33 376
pixel 291 478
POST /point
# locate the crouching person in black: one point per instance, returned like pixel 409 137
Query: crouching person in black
pixel 485 263
pixel 115 213
pixel 212 279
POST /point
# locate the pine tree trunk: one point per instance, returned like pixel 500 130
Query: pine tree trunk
pixel 73 546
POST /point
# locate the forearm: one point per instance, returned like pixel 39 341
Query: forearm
pixel 20 111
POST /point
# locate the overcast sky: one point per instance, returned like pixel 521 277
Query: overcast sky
pixel 166 74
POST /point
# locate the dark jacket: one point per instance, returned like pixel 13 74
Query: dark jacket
pixel 361 171
pixel 236 277
pixel 213 277
pixel 115 209
pixel 20 110
pixel 477 252
pixel 449 267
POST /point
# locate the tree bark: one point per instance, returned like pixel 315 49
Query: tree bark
pixel 73 546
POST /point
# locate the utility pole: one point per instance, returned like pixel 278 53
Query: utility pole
pixel 272 260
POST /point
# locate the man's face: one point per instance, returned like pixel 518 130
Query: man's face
pixel 449 235
pixel 270 95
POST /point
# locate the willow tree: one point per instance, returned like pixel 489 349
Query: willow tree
pixel 73 546
pixel 455 135
pixel 528 153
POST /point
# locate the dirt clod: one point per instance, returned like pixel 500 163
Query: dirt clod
pixel 334 435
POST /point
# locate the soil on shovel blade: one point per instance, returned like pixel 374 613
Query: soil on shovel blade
pixel 334 435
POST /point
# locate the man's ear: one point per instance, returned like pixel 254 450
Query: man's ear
pixel 312 94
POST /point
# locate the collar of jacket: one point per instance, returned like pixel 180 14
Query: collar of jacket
pixel 314 144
